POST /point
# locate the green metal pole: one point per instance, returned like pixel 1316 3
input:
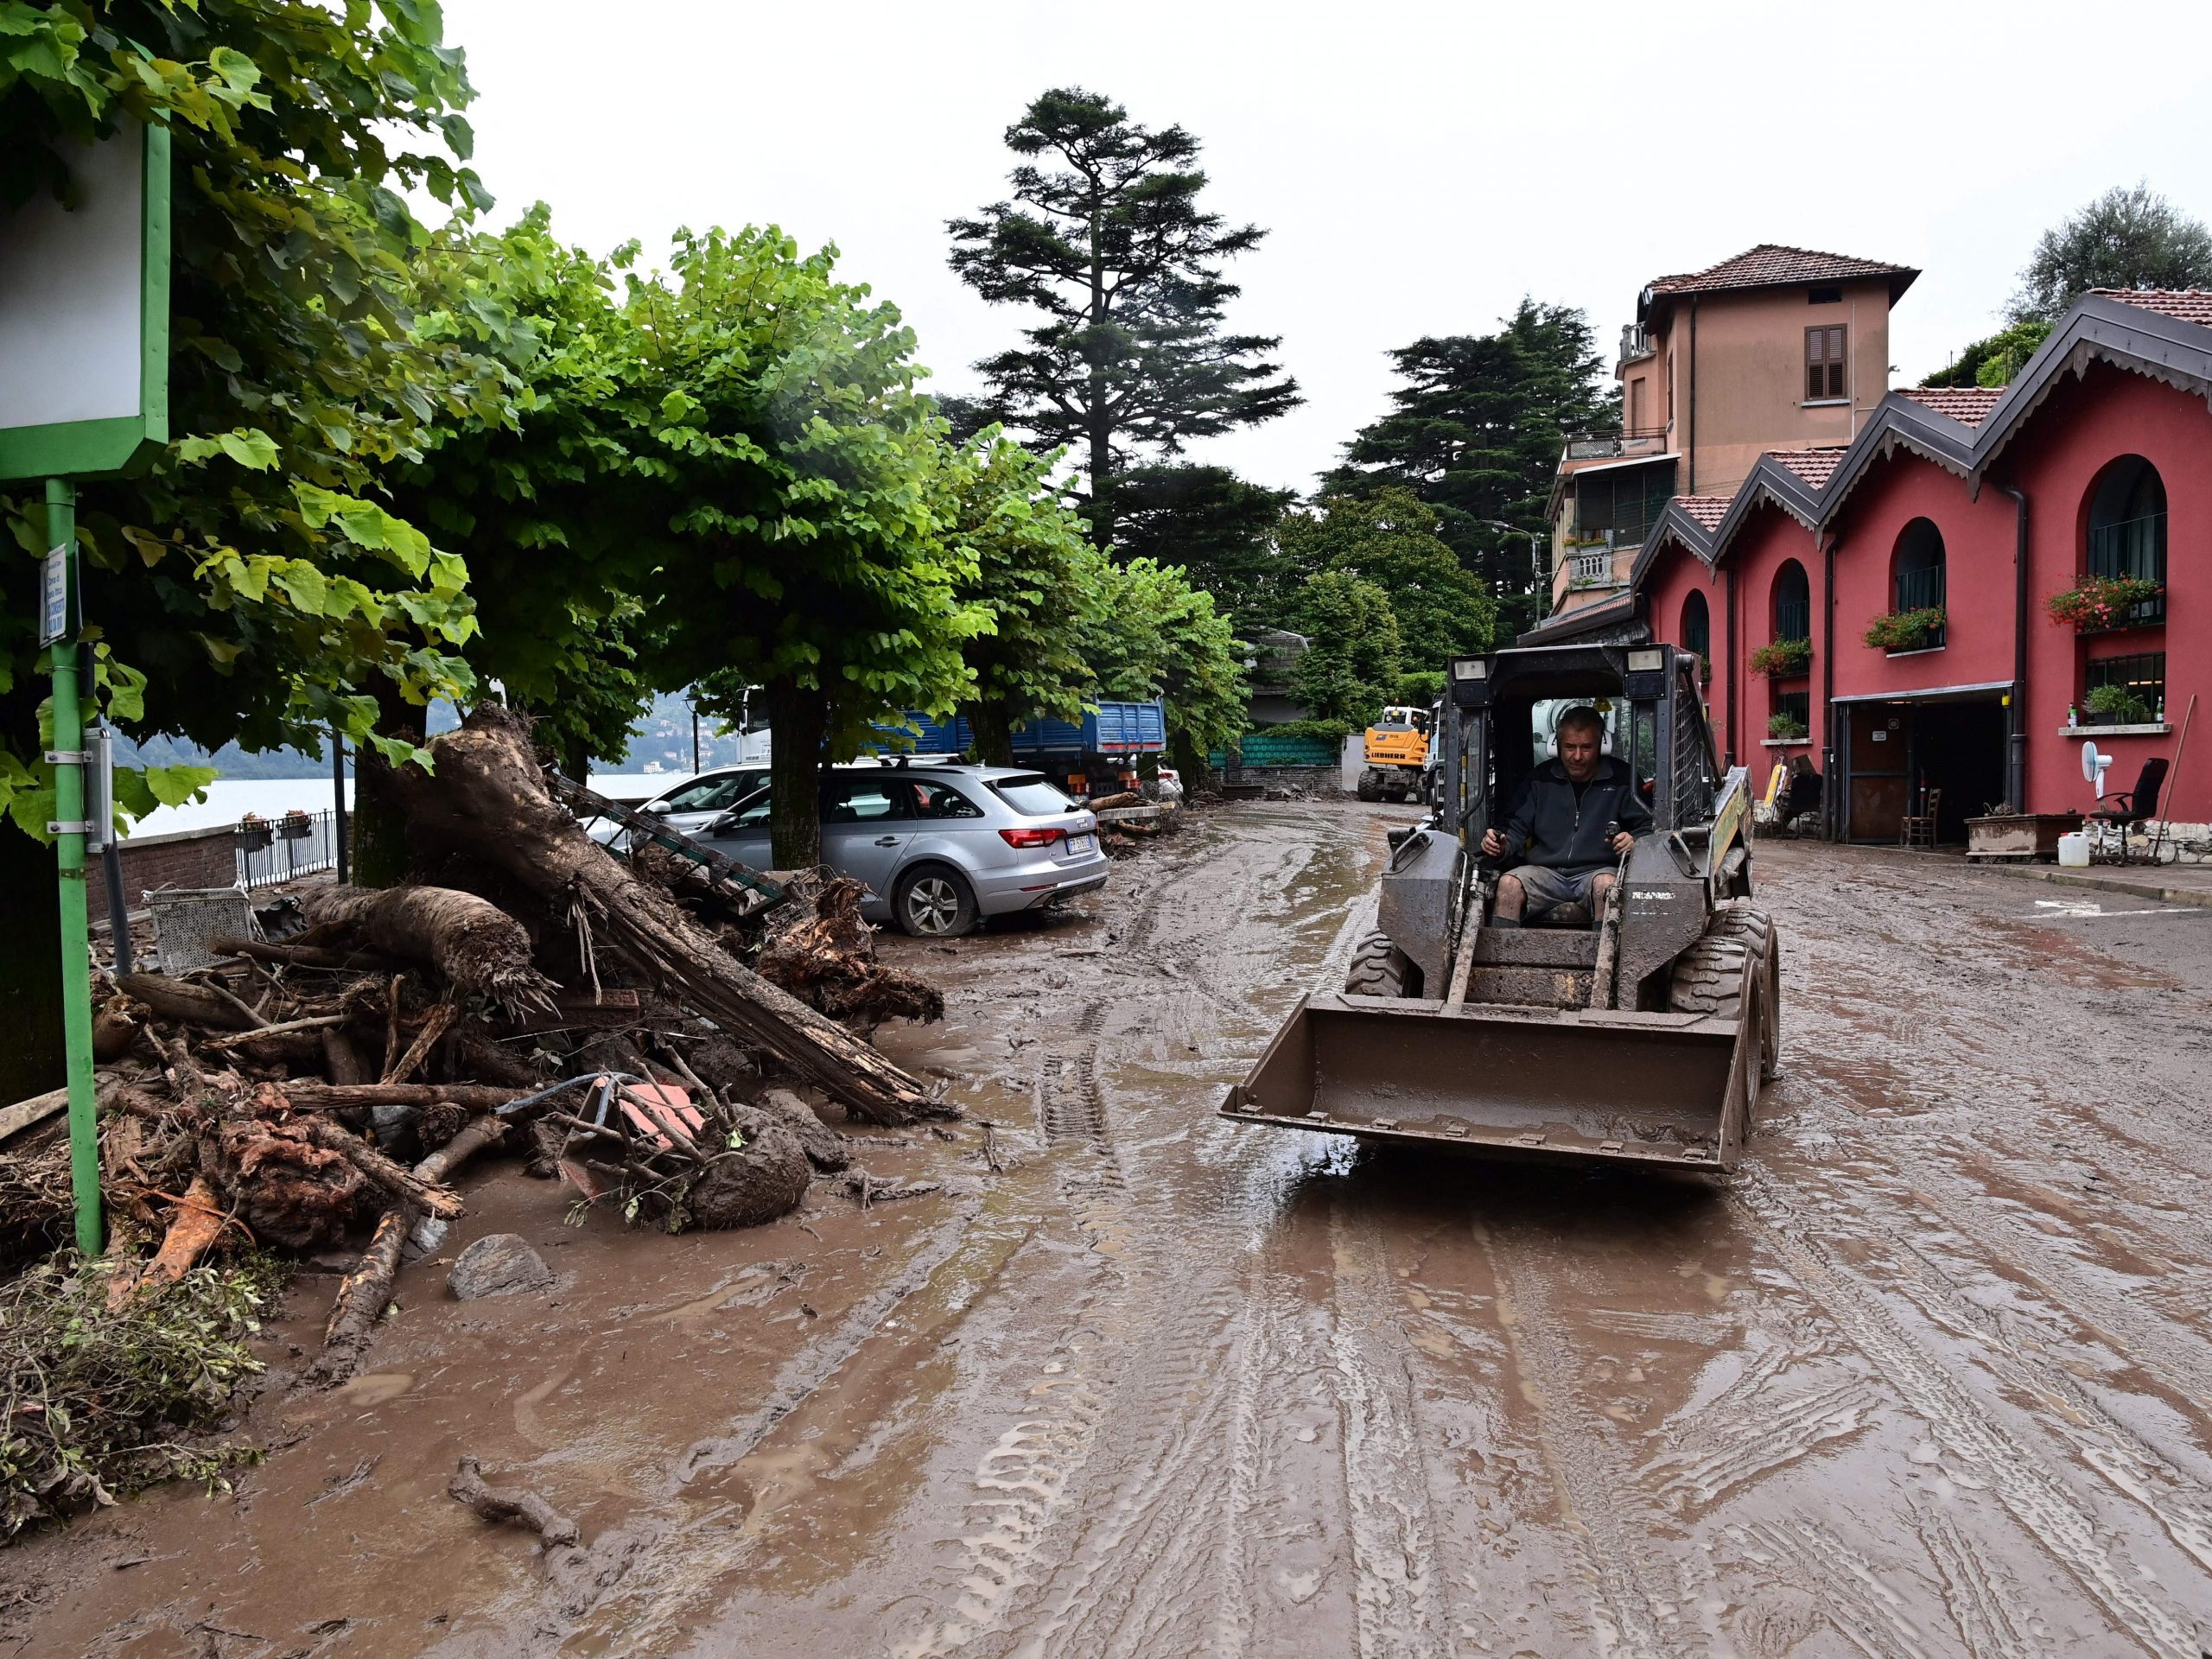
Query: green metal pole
pixel 69 845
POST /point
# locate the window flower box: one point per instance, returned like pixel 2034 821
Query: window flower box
pixel 1783 658
pixel 1918 629
pixel 2099 604
pixel 1788 727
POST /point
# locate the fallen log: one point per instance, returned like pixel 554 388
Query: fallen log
pixel 487 801
pixel 481 949
pixel 395 1180
pixel 440 1022
pixel 310 1096
pixel 283 1028
pixel 363 1295
pixel 1106 803
pixel 307 956
pixel 495 1505
pixel 342 1060
pixel 365 1291
pixel 187 1003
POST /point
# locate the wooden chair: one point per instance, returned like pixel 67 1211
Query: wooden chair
pixel 1918 829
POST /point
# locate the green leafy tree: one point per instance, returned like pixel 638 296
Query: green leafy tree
pixel 2127 237
pixel 1036 578
pixel 1156 635
pixel 255 585
pixel 559 523
pixel 1352 666
pixel 799 544
pixel 1390 539
pixel 1994 361
pixel 1219 527
pixel 1107 241
pixel 1475 430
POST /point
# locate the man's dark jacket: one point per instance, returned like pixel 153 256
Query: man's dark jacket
pixel 1549 826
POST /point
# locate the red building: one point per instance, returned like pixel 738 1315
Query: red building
pixel 1947 528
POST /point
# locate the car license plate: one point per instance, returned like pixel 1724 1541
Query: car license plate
pixel 1082 846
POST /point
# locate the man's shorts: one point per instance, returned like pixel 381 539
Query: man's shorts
pixel 1547 888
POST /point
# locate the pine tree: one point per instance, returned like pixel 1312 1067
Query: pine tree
pixel 1476 433
pixel 1220 528
pixel 1130 359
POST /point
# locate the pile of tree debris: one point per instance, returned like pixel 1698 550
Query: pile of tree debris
pixel 633 1033
pixel 1128 820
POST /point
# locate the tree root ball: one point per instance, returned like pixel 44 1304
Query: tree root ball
pixel 763 1178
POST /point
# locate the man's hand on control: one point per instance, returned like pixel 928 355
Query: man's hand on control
pixel 1623 842
pixel 1493 844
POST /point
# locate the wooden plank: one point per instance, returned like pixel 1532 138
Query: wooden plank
pixel 15 1119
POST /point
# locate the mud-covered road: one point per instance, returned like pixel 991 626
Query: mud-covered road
pixel 1930 1376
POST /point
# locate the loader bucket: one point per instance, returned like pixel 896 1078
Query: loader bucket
pixel 1670 1089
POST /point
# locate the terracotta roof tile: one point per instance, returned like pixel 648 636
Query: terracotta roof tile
pixel 1770 265
pixel 1814 466
pixel 1706 510
pixel 2189 304
pixel 1967 405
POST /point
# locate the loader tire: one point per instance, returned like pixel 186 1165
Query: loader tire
pixel 1369 790
pixel 1736 955
pixel 1378 969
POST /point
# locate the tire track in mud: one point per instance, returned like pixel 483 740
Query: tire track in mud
pixel 1845 1586
pixel 2036 1499
pixel 1155 1343
pixel 2133 1468
pixel 1400 1605
pixel 1634 1612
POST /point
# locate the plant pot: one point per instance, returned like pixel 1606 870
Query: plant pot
pixel 295 828
pixel 254 837
pixel 2019 837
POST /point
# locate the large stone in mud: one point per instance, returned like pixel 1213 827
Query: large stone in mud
pixel 763 1178
pixel 825 1147
pixel 500 1264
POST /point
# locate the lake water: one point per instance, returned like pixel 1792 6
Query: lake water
pixel 230 799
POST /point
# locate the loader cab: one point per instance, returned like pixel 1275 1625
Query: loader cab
pixel 1506 711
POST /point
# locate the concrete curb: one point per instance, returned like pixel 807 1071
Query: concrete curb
pixel 2146 886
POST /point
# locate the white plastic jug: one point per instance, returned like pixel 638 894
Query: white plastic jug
pixel 2074 852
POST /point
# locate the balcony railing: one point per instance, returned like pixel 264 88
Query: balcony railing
pixel 2134 548
pixel 1635 342
pixel 1606 446
pixel 1591 567
pixel 1920 590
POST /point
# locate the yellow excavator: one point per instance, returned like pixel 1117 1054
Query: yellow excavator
pixel 1396 755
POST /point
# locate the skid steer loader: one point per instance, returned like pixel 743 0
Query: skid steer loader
pixel 1641 1039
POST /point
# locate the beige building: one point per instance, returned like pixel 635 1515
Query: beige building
pixel 1777 348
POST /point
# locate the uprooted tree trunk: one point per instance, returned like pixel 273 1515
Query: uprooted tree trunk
pixel 487 802
pixel 824 955
pixel 481 949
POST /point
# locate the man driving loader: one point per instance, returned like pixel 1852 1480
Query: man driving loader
pixel 1559 823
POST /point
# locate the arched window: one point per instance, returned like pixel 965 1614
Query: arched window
pixel 1697 626
pixel 1793 602
pixel 1918 564
pixel 2127 522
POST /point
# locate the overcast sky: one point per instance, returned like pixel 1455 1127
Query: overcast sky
pixel 1419 166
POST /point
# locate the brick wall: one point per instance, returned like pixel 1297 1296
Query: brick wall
pixel 187 858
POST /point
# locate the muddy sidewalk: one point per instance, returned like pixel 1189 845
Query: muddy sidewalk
pixel 1929 1377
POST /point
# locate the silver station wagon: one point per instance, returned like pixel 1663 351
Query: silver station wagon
pixel 938 846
